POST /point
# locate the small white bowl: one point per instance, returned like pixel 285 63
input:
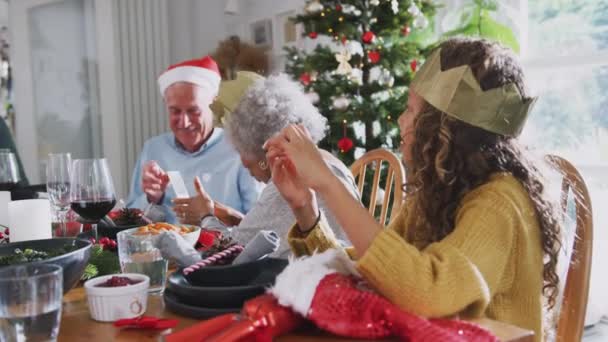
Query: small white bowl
pixel 109 304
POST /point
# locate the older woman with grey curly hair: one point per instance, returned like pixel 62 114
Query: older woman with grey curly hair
pixel 267 107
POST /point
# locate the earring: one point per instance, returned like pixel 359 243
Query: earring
pixel 262 164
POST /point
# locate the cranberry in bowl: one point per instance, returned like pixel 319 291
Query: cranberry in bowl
pixel 117 296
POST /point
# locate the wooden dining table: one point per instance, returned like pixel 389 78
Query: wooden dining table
pixel 77 325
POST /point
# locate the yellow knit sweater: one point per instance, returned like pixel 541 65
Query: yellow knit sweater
pixel 491 264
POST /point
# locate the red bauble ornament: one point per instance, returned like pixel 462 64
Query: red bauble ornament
pixel 305 78
pixel 345 144
pixel 373 56
pixel 368 37
pixel 406 30
pixel 313 35
pixel 338 7
pixel 413 65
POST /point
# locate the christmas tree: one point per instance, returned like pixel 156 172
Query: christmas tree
pixel 358 74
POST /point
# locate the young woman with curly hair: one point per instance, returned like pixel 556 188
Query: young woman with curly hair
pixel 477 235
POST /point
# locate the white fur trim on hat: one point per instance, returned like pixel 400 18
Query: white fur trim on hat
pixel 202 77
pixel 295 287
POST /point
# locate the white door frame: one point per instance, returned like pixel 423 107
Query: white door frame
pixel 109 99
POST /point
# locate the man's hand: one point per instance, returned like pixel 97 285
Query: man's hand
pixel 192 210
pixel 154 181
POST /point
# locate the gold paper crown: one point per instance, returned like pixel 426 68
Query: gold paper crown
pixel 231 91
pixel 457 93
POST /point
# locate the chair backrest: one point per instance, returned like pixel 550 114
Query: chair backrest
pixel 571 319
pixel 395 179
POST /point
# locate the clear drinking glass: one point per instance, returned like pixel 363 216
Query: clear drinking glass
pixel 58 185
pixel 91 190
pixel 9 170
pixel 141 254
pixel 30 302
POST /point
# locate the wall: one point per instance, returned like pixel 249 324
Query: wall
pixel 195 27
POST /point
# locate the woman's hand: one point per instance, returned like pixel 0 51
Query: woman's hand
pixel 300 198
pixel 306 165
pixel 192 210
pixel 295 193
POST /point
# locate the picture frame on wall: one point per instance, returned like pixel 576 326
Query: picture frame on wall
pixel 288 31
pixel 261 33
pixel 287 34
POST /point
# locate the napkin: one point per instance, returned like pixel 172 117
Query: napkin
pixel 262 244
pixel 174 247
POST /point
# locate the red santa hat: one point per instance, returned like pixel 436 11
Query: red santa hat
pixel 203 72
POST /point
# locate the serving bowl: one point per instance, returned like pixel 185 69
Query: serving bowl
pixel 73 262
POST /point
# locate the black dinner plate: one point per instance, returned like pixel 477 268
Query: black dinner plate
pixel 236 275
pixel 176 306
pixel 221 296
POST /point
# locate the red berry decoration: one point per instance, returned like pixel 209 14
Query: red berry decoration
pixel 373 56
pixel 313 35
pixel 345 144
pixel 338 7
pixel 305 78
pixel 206 239
pixel 406 30
pixel 414 65
pixel 368 37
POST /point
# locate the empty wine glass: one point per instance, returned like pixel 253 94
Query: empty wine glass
pixel 58 185
pixel 9 171
pixel 91 190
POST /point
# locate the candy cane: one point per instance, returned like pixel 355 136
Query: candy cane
pixel 213 259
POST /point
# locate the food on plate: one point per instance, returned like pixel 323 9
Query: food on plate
pixel 159 227
pixel 29 255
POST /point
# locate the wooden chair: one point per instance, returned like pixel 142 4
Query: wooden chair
pixel 571 319
pixel 395 175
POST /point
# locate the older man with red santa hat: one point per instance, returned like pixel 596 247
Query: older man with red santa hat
pixel 194 147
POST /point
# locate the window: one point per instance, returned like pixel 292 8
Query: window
pixel 565 53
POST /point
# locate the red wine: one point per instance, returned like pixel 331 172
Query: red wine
pixel 93 210
pixel 7 186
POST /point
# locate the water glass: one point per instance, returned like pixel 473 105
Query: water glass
pixel 30 302
pixel 9 170
pixel 142 254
